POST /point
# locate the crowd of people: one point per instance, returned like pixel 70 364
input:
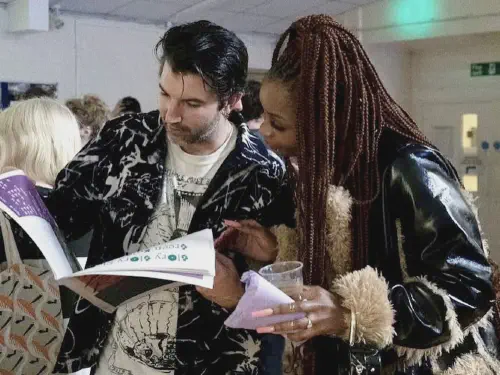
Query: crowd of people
pixel 318 163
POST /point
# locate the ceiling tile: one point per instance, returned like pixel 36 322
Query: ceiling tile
pixel 91 6
pixel 359 2
pixel 285 8
pixel 237 5
pixel 244 22
pixel 186 3
pixel 141 9
pixel 278 26
pixel 209 15
pixel 333 8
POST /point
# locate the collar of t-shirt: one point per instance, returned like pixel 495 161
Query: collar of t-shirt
pixel 199 165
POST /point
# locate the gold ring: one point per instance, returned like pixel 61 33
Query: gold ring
pixel 309 323
pixel 292 307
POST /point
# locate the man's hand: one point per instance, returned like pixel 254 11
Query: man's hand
pixel 227 289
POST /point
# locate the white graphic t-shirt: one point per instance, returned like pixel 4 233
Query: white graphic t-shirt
pixel 143 336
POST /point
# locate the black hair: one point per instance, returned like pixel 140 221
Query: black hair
pixel 130 104
pixel 252 107
pixel 38 92
pixel 236 118
pixel 209 50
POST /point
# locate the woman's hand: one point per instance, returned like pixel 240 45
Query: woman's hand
pixel 324 315
pixel 227 289
pixel 250 239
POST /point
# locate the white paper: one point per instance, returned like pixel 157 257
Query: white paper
pixel 192 254
pixel 200 280
pixel 259 295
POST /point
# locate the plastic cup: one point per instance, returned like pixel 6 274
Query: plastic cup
pixel 286 276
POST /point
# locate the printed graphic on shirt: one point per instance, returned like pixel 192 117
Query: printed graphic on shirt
pixel 145 330
pixel 146 334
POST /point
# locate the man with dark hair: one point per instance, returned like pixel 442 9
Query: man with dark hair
pixel 126 105
pixel 151 177
pixel 252 112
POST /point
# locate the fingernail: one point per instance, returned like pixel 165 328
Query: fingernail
pixel 265 330
pixel 262 313
pixel 232 223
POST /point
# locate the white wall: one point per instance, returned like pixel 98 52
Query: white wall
pixel 393 64
pixel 391 60
pixel 260 50
pixel 441 71
pixel 44 57
pixel 443 90
pixel 108 58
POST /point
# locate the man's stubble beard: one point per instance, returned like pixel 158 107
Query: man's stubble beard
pixel 206 132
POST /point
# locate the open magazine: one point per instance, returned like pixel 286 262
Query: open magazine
pixel 187 260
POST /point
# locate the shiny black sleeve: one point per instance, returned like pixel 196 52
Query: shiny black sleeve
pixel 447 277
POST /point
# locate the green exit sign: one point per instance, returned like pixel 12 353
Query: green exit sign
pixel 485 69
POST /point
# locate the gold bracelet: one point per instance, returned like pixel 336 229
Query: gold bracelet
pixel 352 329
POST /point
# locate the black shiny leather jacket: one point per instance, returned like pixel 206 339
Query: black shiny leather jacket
pixel 422 202
pixel 423 226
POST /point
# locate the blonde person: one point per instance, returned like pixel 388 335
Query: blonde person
pixel 91 113
pixel 38 136
pixel 397 277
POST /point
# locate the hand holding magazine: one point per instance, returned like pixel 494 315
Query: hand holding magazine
pixel 187 260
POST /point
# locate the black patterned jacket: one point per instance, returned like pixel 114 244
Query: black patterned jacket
pixel 113 186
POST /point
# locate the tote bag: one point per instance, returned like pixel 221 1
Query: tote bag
pixel 31 321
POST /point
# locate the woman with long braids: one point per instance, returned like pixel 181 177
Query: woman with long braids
pixel 396 273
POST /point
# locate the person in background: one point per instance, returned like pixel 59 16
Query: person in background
pixel 126 105
pixel 152 177
pixel 38 136
pixel 251 112
pixel 397 279
pixel 38 92
pixel 91 113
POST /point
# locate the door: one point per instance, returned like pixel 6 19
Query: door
pixel 469 135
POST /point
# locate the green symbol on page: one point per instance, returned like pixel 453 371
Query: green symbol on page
pixel 146 258
pixel 184 258
pixel 172 257
pixel 134 259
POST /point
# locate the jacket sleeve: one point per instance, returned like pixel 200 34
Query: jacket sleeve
pixel 445 281
pixel 269 195
pixel 447 277
pixel 80 186
pixel 268 199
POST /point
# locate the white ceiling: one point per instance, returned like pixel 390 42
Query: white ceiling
pixel 264 16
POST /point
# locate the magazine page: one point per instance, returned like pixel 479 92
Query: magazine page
pixel 191 254
pixel 187 260
pixel 20 200
pixel 108 291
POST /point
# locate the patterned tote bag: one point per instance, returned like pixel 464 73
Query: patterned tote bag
pixel 31 321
